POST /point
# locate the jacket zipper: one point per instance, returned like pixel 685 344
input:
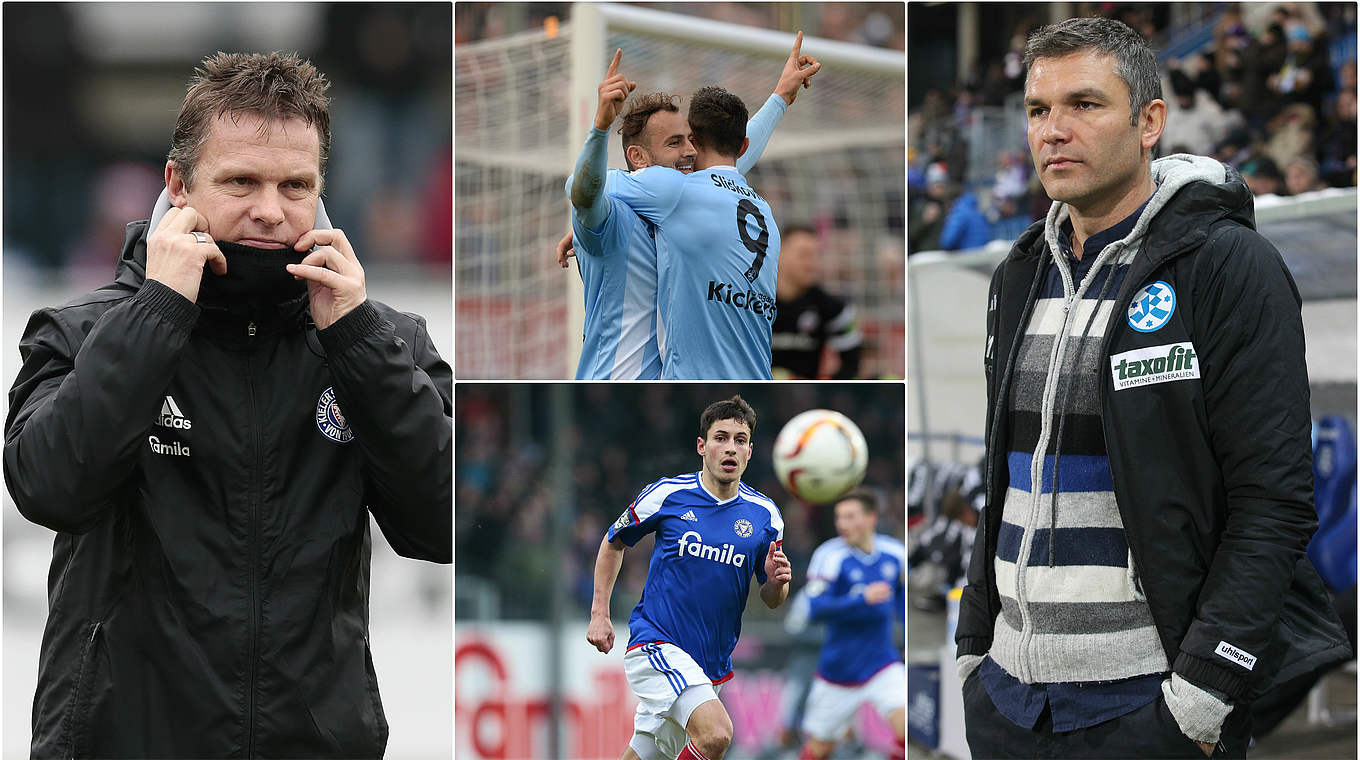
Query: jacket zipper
pixel 1003 389
pixel 252 550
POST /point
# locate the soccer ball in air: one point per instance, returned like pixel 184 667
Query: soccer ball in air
pixel 820 455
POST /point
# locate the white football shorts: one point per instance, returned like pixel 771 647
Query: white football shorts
pixel 669 685
pixel 830 707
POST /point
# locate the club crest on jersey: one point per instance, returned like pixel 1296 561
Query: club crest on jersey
pixel 1152 306
pixel 691 544
pixel 744 528
pixel 330 421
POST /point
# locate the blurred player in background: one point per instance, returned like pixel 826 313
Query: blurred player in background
pixel 619 265
pixel 810 320
pixel 855 586
pixel 181 430
pixel 713 532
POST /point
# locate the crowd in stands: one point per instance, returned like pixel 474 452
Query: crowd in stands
pixel 1272 92
pixel 623 438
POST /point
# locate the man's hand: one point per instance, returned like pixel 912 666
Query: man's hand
pixel 601 633
pixel 335 280
pixel 565 251
pixel 798 69
pixel 1207 748
pixel 877 592
pixel 613 91
pixel 777 567
pixel 778 573
pixel 175 257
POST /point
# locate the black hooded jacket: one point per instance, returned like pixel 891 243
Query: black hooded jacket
pixel 210 473
pixel 1212 474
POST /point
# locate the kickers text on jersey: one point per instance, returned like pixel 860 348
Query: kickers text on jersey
pixel 726 293
pixel 691 544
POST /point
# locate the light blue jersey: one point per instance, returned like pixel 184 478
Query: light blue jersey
pixel 859 635
pixel 706 553
pixel 618 262
pixel 618 269
pixel 717 248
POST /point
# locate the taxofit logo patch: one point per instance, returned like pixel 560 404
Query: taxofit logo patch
pixel 1153 365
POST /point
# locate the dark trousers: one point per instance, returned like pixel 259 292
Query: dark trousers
pixel 1148 732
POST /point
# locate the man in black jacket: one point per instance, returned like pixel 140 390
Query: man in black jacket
pixel 1140 574
pixel 208 435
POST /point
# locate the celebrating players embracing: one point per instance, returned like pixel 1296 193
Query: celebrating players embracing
pixel 712 533
pixel 660 295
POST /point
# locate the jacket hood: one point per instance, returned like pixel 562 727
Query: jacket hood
pixel 1193 192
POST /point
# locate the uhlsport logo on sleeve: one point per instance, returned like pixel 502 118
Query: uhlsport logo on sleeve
pixel 1152 306
pixel 1233 654
pixel 1153 365
pixel 330 421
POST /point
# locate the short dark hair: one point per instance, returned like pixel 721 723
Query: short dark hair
pixel 1134 61
pixel 786 232
pixel 717 120
pixel 867 499
pixel 734 408
pixel 273 86
pixel 635 120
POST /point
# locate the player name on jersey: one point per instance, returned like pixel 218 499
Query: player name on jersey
pixel 727 184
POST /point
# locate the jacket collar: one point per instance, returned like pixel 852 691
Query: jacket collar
pixel 1193 192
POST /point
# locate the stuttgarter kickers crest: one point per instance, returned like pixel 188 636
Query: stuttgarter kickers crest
pixel 330 421
pixel 1152 306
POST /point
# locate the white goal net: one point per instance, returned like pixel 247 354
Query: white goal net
pixel 522 105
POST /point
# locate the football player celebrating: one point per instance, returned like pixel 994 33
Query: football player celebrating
pixel 619 252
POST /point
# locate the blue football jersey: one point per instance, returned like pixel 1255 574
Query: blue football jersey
pixel 717 248
pixel 700 573
pixel 618 271
pixel 859 635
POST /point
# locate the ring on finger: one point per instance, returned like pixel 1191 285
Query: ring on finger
pixel 199 236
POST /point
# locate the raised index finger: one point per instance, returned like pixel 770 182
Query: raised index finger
pixel 797 46
pixel 614 64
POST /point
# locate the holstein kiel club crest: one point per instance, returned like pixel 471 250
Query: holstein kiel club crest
pixel 330 421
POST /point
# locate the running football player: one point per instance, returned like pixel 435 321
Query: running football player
pixel 855 585
pixel 712 534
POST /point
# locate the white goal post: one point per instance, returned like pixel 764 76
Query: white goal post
pixel 523 104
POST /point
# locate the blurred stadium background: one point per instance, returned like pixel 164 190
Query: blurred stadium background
pixel 1235 83
pixel 525 91
pixel 542 471
pixel 90 95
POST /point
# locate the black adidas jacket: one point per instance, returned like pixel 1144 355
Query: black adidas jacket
pixel 1212 474
pixel 210 476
